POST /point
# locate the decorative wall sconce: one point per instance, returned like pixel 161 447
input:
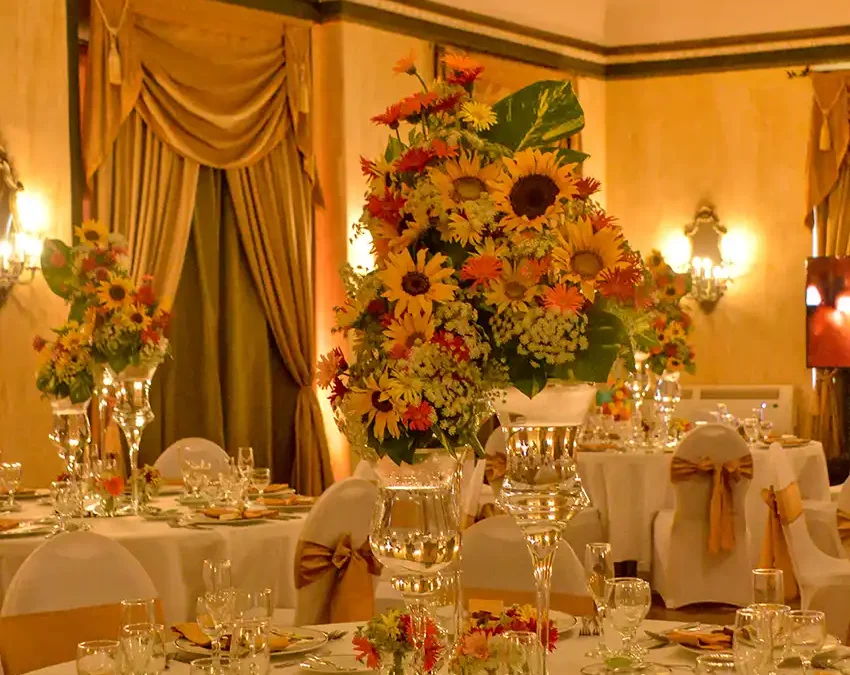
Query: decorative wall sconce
pixel 709 273
pixel 20 251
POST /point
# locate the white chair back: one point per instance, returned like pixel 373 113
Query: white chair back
pixel 366 471
pixel 344 508
pixel 169 462
pixel 78 569
pixel 844 497
pixel 470 493
pixel 693 572
pixel 495 558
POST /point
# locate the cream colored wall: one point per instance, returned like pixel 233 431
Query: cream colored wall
pixel 739 140
pixel 34 126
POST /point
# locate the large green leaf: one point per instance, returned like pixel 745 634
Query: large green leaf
pixel 606 336
pixel 536 116
pixel 56 267
pixel 530 381
pixel 570 156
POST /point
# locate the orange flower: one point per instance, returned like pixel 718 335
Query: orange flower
pixel 114 485
pixel 406 64
pixel 390 117
pixel 481 269
pixel 38 343
pixel 418 103
pixel 563 298
pixel 619 283
pixel 460 62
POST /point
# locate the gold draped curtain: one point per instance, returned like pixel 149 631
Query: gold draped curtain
pixel 178 85
pixel 828 204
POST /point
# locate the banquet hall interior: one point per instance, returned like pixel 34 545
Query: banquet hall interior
pixel 381 328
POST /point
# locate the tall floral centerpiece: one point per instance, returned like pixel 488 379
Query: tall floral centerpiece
pixel 125 325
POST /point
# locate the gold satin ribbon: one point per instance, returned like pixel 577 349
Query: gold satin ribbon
pixel 721 536
pixel 783 507
pixel 352 597
pixel 495 467
pixel 843 518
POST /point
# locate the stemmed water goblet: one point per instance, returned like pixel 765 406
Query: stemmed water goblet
pixel 806 634
pixel 99 657
pixel 766 427
pixel 627 602
pixel 10 474
pixel 668 393
pixel 261 479
pixel 144 648
pixel 751 430
pixel 598 568
pixel 245 462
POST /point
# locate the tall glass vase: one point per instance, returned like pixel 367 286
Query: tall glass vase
pixel 640 385
pixel 542 489
pixel 71 432
pixel 133 413
pixel 668 393
pixel 105 397
pixel 416 533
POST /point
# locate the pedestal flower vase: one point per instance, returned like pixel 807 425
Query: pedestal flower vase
pixel 416 534
pixel 133 413
pixel 105 397
pixel 641 385
pixel 542 489
pixel 668 393
pixel 71 432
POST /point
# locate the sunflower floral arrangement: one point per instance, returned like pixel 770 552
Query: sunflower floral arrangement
pixel 387 642
pixel 125 323
pixel 672 325
pixel 482 647
pixel 65 367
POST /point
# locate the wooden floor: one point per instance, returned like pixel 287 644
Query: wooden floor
pixel 707 613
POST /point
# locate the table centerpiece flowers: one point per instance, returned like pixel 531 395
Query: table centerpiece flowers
pixel 387 642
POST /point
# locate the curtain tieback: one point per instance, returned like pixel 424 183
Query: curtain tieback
pixel 495 466
pixel 351 595
pixel 783 507
pixel 721 536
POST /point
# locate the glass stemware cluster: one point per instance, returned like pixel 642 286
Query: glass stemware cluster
pixel 10 480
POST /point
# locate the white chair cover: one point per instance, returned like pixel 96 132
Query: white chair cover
pixel 344 508
pixel 78 569
pixel 168 462
pixel 815 570
pixel 365 471
pixel 470 493
pixel 495 556
pixel 683 570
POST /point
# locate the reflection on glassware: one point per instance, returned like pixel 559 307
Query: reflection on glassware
pixel 217 575
pixel 710 664
pixel 99 657
pixel 806 634
pixel 627 602
pixel 255 605
pixel 598 568
pixel 224 665
pixel 133 413
pixel 260 479
pixel 773 623
pixel 214 611
pixel 766 428
pixel 141 611
pixel 748 644
pixel 522 653
pixel 245 462
pixel 143 646
pixel 668 393
pixel 63 495
pixel 639 383
pixel 751 430
pixel 195 472
pixel 10 477
pixel 768 586
pixel 250 646
pixel 70 432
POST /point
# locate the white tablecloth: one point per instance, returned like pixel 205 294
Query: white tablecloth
pixel 263 554
pixel 629 489
pixel 569 657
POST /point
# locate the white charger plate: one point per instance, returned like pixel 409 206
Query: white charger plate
pixel 26 530
pixel 563 622
pixel 831 643
pixel 313 639
pixel 340 663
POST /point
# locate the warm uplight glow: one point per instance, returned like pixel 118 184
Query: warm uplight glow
pixel 813 298
pixel 677 251
pixel 738 248
pixel 842 303
pixel 359 246
pixel 33 212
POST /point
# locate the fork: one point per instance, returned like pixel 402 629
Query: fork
pixel 584 629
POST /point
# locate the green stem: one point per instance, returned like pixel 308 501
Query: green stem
pixel 421 81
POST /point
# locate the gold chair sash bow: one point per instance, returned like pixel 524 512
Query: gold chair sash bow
pixel 495 467
pixel 783 507
pixel 843 518
pixel 721 536
pixel 352 597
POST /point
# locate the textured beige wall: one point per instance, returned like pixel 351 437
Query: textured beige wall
pixel 34 126
pixel 737 139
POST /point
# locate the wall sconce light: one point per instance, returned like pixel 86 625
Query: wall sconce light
pixel 710 274
pixel 20 250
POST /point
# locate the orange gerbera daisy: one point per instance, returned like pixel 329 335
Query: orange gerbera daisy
pixel 481 269
pixel 563 298
pixel 406 64
pixel 619 283
pixel 460 62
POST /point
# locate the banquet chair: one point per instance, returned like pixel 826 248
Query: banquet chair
pixel 69 589
pixel 335 572
pixel 470 493
pixel 496 568
pixel 366 471
pixel 696 560
pixel 169 462
pixel 816 573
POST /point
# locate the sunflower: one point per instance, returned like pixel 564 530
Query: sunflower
pixel 376 405
pixel 407 332
pixel 115 292
pixel 464 231
pixel 463 180
pixel 655 261
pixel 531 188
pixel 674 331
pixel 479 115
pixel 586 254
pixel 513 290
pixel 416 285
pixel 135 317
pixel 93 233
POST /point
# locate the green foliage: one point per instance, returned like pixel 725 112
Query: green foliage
pixel 56 267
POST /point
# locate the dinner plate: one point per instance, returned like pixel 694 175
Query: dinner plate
pixel 831 643
pixel 312 639
pixel 240 522
pixel 26 530
pixel 340 663
pixel 563 621
pixel 25 494
pixel 170 490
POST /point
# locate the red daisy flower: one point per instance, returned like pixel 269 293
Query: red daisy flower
pixel 415 160
pixel 387 208
pixel 390 117
pixel 600 220
pixel 442 149
pixel 453 343
pixel 464 78
pixel 338 391
pixel 620 283
pixel 586 186
pixel 481 269
pixel 365 651
pixel 447 103
pixel 368 167
pixel 418 417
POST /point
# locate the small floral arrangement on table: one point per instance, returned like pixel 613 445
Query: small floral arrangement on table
pixel 482 647
pixel 150 481
pixel 616 401
pixel 386 641
pixel 125 323
pixel 65 364
pixel 111 491
pixel 671 323
pixel 679 427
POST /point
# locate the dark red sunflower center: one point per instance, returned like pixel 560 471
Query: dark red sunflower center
pixel 117 293
pixel 532 195
pixel 413 337
pixel 468 188
pixel 379 405
pixel 91 235
pixel 415 283
pixel 514 290
pixel 136 317
pixel 586 264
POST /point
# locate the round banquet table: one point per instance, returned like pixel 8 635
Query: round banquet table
pixel 569 657
pixel 263 554
pixel 629 489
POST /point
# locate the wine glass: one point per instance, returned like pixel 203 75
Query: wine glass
pixel 143 645
pixel 250 645
pixel 748 644
pixel 11 476
pixel 598 568
pixel 141 611
pixel 260 479
pixel 214 611
pixel 806 634
pixel 224 665
pixel 255 605
pixel 522 653
pixel 766 427
pixel 768 586
pixel 245 462
pixel 627 602
pixel 774 624
pixel 217 575
pixel 63 494
pixel 99 657
pixel 752 430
